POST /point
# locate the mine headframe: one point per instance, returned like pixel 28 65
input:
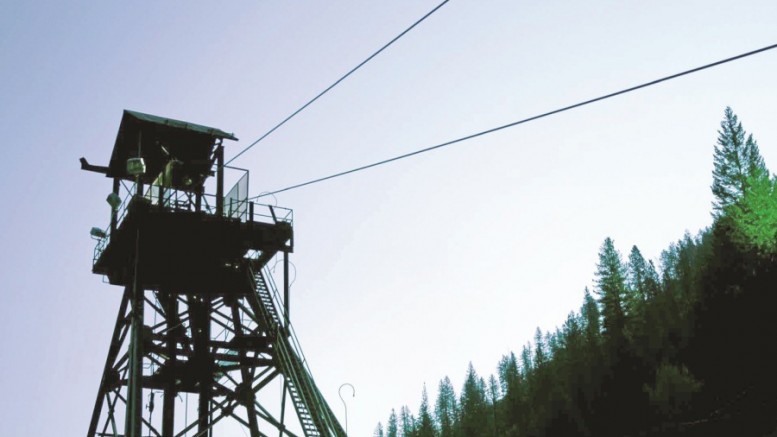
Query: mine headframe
pixel 200 313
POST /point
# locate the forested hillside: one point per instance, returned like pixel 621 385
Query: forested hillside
pixel 681 346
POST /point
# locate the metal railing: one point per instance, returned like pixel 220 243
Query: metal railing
pixel 290 353
pixel 186 201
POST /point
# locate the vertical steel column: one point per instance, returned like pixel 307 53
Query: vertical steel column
pixel 114 211
pixel 201 314
pixel 286 307
pixel 219 180
pixel 170 392
pixel 134 382
pixel 246 392
pixel 133 424
pixel 286 304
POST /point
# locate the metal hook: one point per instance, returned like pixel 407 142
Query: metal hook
pixel 353 391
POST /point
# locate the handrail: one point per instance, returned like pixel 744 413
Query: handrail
pixel 301 376
pixel 179 200
pixel 324 407
pixel 268 279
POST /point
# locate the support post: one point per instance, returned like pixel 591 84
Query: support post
pixel 219 180
pixel 114 211
pixel 204 363
pixel 286 305
pixel 133 423
pixel 134 383
pixel 170 392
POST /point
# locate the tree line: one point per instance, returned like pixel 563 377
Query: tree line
pixel 686 346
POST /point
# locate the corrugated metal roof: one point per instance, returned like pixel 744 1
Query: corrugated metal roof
pixel 212 131
pixel 160 139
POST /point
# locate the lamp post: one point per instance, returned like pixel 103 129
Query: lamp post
pixel 353 394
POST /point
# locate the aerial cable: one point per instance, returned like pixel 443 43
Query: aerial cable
pixel 516 123
pixel 337 82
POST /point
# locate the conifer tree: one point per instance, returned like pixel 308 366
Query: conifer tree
pixel 755 217
pixel 392 426
pixel 473 420
pixel 407 422
pixel 425 424
pixel 445 408
pixel 493 398
pixel 641 276
pixel 527 366
pixel 378 430
pixel 591 315
pixel 611 288
pixel 737 163
pixel 512 387
pixel 540 348
pixel 508 373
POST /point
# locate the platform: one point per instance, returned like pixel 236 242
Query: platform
pixel 188 251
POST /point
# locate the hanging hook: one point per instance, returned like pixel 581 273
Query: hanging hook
pixel 353 394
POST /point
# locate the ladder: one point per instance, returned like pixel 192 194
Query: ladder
pixel 314 414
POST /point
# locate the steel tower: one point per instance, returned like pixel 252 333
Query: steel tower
pixel 200 319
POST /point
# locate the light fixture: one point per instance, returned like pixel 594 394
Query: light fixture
pixel 136 166
pixel 97 233
pixel 114 200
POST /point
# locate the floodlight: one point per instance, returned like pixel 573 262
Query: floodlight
pixel 97 233
pixel 136 166
pixel 114 200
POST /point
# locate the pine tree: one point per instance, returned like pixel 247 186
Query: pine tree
pixel 425 424
pixel 527 366
pixel 512 388
pixel 611 289
pixel 493 398
pixel 445 408
pixel 540 349
pixel 737 162
pixel 473 405
pixel 591 315
pixel 641 276
pixel 407 422
pixel 755 217
pixel 392 426
pixel 378 430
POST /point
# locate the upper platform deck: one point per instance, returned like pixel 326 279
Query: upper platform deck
pixel 183 244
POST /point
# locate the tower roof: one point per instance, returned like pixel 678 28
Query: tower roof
pixel 158 140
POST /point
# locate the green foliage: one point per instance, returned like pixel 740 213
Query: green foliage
pixel 755 216
pixel 473 419
pixel 737 162
pixel 425 424
pixel 591 318
pixel 406 422
pixel 446 408
pixel 512 412
pixel 392 426
pixel 641 276
pixel 673 389
pixel 378 430
pixel 540 349
pixel 611 288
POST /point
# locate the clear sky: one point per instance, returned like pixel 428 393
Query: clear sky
pixel 405 273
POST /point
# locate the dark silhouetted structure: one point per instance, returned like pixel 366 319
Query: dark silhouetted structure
pixel 200 315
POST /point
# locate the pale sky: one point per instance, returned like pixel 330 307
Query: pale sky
pixel 404 273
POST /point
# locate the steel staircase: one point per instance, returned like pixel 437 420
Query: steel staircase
pixel 315 416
